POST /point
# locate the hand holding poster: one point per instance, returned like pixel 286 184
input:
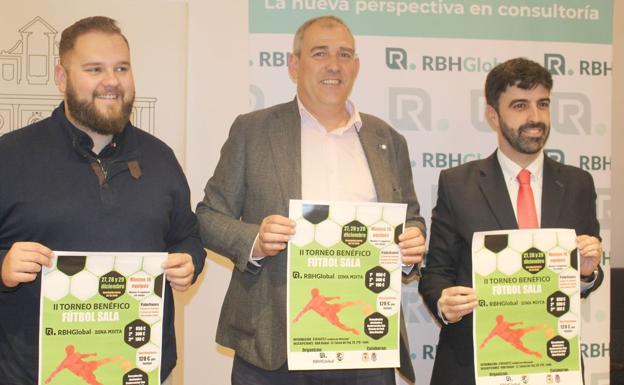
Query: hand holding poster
pixel 527 326
pixel 100 320
pixel 344 285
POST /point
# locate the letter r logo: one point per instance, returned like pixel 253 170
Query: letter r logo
pixel 554 63
pixel 396 58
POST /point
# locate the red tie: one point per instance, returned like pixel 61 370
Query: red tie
pixel 527 218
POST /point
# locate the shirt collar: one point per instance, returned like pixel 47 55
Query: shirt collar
pixel 511 169
pixel 355 121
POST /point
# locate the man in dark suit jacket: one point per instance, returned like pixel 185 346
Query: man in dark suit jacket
pixel 481 196
pixel 276 154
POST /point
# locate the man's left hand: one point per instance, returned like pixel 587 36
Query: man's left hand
pixel 412 244
pixel 179 269
pixel 590 252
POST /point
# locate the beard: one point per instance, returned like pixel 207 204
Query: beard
pixel 525 144
pixel 87 115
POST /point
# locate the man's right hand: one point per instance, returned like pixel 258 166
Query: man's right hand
pixel 457 301
pixel 23 261
pixel 274 233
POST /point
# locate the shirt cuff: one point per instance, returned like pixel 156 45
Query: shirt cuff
pixel 254 260
pixel 407 269
pixel 441 316
pixel 587 285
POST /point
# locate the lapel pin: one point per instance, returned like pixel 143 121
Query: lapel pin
pixel 382 146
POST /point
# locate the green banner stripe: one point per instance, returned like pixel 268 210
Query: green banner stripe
pixel 581 21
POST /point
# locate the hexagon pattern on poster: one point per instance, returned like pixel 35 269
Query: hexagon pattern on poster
pixel 368 214
pixel 112 285
pixel 380 234
pixel 128 264
pixel 342 213
pixel 568 281
pixel 398 230
pixel 137 333
pixel 71 264
pixel 520 241
pixel 394 215
pixel 567 243
pixel 558 348
pixel 148 357
pixel 388 303
pixel 354 234
pixel 508 261
pixel 545 240
pixel 152 266
pixel 496 242
pixel 57 285
pixel 84 285
pixel 568 325
pixel 156 334
pixel 557 304
pixel 557 259
pixel 390 257
pixel 135 377
pixel 295 211
pixel 101 265
pixel 396 281
pixel 533 260
pixel 376 325
pixel 377 279
pixel 484 262
pixel 304 233
pixel 140 285
pixel 477 242
pixel 328 233
pixel 158 285
pixel 149 309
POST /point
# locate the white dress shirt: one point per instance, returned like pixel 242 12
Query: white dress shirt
pixel 333 164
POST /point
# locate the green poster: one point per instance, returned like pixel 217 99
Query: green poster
pixel 527 325
pixel 344 285
pixel 101 319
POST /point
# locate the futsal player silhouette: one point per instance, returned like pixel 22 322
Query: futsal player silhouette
pixel 513 336
pixel 74 362
pixel 329 311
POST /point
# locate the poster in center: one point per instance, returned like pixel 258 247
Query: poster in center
pixel 344 285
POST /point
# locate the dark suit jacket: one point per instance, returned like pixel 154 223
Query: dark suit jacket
pixel 258 173
pixel 473 197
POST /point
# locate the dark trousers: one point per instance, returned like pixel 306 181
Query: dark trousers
pixel 244 373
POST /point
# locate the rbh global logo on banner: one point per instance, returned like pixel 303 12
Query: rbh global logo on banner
pixel 397 59
pixel 556 64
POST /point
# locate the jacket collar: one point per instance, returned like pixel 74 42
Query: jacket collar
pixel 492 185
pixel 493 188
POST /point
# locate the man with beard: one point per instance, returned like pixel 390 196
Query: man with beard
pixel 508 190
pixel 86 179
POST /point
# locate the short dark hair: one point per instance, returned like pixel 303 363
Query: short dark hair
pixel 328 21
pixel 83 26
pixel 520 72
